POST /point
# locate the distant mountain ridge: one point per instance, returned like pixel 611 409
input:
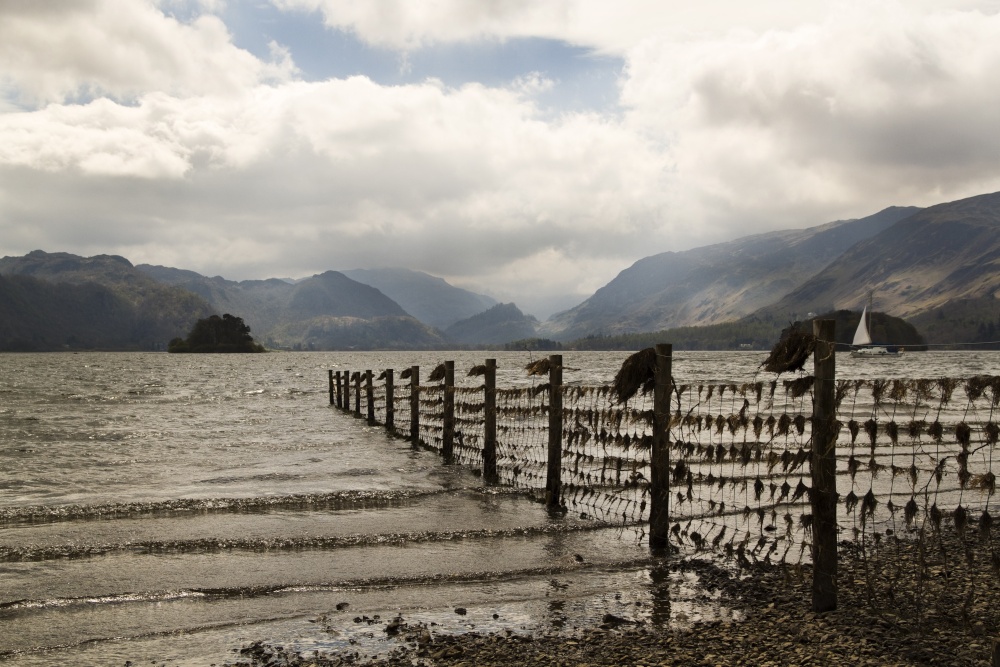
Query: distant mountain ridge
pixel 428 298
pixel 502 323
pixel 326 311
pixel 716 283
pixel 52 301
pixel 944 253
pixel 939 267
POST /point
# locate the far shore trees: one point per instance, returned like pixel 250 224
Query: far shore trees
pixel 217 334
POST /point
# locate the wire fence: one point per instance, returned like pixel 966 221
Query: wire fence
pixel 914 482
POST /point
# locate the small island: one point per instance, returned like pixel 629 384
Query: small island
pixel 217 334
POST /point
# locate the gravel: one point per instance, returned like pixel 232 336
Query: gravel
pixel 886 616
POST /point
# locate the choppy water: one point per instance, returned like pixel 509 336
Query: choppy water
pixel 170 508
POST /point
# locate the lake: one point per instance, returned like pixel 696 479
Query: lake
pixel 172 508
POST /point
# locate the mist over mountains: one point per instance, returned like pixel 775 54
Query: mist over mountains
pixel 938 267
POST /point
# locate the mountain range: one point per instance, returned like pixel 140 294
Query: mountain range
pixel 939 267
pixel 716 283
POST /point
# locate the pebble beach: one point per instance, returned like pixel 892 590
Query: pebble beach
pixel 930 621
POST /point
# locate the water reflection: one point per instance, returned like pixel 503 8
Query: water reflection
pixel 660 582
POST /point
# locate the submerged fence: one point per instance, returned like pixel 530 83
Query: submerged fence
pixel 779 472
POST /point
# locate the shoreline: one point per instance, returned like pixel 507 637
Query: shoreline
pixel 879 621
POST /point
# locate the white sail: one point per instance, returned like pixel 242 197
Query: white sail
pixel 861 336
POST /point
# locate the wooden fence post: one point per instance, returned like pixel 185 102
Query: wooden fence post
pixel 357 394
pixel 347 391
pixel 331 386
pixel 415 406
pixel 370 396
pixel 824 470
pixel 340 393
pixel 390 402
pixel 448 436
pixel 490 424
pixel 553 483
pixel 659 459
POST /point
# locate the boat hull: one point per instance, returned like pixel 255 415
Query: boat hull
pixel 875 351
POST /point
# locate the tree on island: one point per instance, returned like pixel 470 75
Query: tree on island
pixel 217 334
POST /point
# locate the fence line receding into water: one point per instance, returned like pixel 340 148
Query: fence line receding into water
pixel 785 471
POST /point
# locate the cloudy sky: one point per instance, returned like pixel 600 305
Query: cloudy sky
pixel 527 149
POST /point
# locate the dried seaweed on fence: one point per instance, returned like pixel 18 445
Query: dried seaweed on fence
pixel 540 367
pixel 476 371
pixel 437 374
pixel 800 386
pixel 383 375
pixel 791 351
pixel 638 371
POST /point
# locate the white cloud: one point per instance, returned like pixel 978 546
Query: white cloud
pixel 52 51
pixel 827 119
pixel 168 144
pixel 343 173
pixel 605 26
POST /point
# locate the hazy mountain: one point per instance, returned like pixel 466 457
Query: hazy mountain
pixel 328 332
pixel 430 299
pixel 57 300
pixel 502 323
pixel 716 283
pixel 258 302
pixel 940 255
pixel 325 311
pixel 334 294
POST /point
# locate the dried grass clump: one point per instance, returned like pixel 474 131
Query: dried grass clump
pixel 791 351
pixel 637 372
pixel 476 371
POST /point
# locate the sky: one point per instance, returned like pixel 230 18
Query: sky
pixel 526 149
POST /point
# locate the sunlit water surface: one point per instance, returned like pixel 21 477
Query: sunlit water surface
pixel 172 508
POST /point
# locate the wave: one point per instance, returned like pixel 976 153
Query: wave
pixel 387 582
pixel 337 500
pixel 33 553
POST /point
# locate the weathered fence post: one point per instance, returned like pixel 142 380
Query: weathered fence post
pixel 415 406
pixel 824 470
pixel 448 436
pixel 370 396
pixel 331 386
pixel 490 423
pixel 390 402
pixel 347 391
pixel 340 390
pixel 357 394
pixel 659 458
pixel 553 483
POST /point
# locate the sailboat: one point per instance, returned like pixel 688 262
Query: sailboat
pixel 862 343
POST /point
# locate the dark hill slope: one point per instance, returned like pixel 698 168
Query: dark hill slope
pixel 328 311
pixel 430 299
pixel 57 300
pixel 945 253
pixel 716 283
pixel 502 323
pixel 334 294
pixel 258 302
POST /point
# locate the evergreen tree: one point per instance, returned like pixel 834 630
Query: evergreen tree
pixel 217 334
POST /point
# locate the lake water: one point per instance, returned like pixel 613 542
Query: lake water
pixel 172 508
